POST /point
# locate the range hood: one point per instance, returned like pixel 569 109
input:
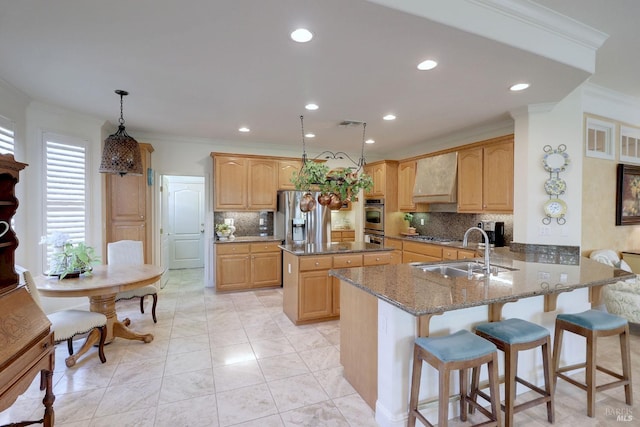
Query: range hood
pixel 436 179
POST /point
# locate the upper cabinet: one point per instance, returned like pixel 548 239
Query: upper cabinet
pixel 485 177
pixel 250 183
pixel 286 168
pixel 385 182
pixel 406 180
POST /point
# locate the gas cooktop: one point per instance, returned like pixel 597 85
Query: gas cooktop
pixel 431 238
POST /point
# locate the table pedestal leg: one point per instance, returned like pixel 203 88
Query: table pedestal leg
pixel 92 339
pixel 106 304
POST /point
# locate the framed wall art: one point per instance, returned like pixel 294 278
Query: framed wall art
pixel 628 195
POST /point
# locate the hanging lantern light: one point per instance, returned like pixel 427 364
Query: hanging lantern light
pixel 121 153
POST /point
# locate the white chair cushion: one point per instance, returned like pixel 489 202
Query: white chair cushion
pixel 138 292
pixel 606 256
pixel 68 323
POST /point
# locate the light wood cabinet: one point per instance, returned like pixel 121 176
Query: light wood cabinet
pixel 485 177
pixel 343 235
pixel 262 184
pixel 309 293
pixel 420 252
pixel 395 256
pixel 385 181
pixel 244 183
pixel 128 207
pixel 241 266
pixel 406 181
pixel 466 254
pixel 286 168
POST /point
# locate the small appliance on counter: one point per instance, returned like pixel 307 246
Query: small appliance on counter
pixel 494 230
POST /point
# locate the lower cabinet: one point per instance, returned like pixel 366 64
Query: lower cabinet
pixel 241 266
pixel 420 252
pixel 309 293
pixel 343 235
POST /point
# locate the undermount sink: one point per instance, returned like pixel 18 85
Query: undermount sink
pixel 461 269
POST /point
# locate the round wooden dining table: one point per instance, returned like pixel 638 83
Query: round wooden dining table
pixel 101 287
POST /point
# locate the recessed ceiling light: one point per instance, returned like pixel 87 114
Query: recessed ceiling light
pixel 369 141
pixel 389 117
pixel 311 106
pixel 244 129
pixel 519 86
pixel 310 135
pixel 301 35
pixel 429 64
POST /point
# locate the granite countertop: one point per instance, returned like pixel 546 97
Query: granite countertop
pixel 420 292
pixel 333 248
pixel 249 239
pixel 457 244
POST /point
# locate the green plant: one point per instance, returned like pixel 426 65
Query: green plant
pixel 408 217
pixel 311 175
pixel 73 258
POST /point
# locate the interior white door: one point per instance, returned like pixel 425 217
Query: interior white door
pixel 186 222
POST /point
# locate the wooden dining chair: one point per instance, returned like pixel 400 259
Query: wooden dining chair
pixel 131 252
pixel 67 324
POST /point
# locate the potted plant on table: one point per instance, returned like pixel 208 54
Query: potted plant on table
pixel 72 260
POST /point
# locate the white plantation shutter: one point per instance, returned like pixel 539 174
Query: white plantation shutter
pixel 66 188
pixel 6 136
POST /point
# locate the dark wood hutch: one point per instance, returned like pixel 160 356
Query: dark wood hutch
pixel 26 340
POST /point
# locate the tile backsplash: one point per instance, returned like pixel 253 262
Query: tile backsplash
pixel 246 223
pixel 453 225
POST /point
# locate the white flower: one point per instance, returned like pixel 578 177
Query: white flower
pixel 57 239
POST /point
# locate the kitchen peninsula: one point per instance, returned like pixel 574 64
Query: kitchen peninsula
pixel 309 293
pixel 384 308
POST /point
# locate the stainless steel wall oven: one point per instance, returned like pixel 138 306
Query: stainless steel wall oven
pixel 374 216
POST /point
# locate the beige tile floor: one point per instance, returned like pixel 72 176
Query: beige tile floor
pixel 237 360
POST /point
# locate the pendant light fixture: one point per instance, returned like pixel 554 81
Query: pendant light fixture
pixel 121 153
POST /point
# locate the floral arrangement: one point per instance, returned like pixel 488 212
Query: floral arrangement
pixel 69 258
pixel 223 228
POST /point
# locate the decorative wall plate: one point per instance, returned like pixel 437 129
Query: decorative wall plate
pixel 555 208
pixel 555 161
pixel 555 186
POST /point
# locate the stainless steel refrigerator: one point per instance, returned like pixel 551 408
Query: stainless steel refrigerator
pixel 296 227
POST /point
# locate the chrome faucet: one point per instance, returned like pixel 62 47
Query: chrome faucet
pixel 487 265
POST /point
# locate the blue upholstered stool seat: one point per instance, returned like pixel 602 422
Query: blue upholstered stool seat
pixel 594 319
pixel 463 345
pixel 514 331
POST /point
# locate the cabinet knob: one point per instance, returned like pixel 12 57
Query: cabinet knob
pixel 349 261
pixel 377 258
pixel 317 263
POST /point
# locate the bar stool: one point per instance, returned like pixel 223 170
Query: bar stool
pixel 512 336
pixel 459 351
pixel 593 324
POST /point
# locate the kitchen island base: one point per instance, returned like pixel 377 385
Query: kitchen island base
pixel 389 364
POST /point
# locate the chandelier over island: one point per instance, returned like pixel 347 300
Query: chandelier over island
pixel 337 185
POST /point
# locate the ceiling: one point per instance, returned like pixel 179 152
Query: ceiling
pixel 201 68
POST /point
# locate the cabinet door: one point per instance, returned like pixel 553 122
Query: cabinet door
pixel 498 177
pixel 416 257
pixel 266 269
pixel 128 230
pixel 470 180
pixel 230 186
pixel 378 173
pixel 349 236
pixel 395 257
pixel 263 184
pixel 233 272
pixel 316 295
pixel 464 254
pixel 406 180
pixel 128 194
pixel 336 236
pixel 448 253
pixel 285 170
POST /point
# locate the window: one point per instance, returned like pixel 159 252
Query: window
pixel 629 144
pixel 599 139
pixel 66 189
pixel 6 136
